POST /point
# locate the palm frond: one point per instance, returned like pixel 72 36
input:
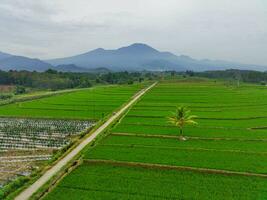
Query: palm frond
pixel 182 117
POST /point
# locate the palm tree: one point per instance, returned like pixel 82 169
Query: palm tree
pixel 181 118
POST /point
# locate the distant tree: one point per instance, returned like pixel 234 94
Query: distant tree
pixel 85 83
pixel 190 73
pixel 180 118
pixel 263 83
pixel 237 77
pixel 97 80
pixel 130 82
pixel 5 96
pixel 51 71
pixel 20 90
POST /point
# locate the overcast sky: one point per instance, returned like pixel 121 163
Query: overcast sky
pixel 234 30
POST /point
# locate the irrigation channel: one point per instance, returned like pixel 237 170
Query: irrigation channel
pixel 27 193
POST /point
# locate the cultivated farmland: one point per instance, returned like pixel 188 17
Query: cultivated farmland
pixel 93 104
pixel 32 131
pixel 224 156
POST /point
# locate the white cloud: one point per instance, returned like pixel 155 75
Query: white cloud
pixel 216 29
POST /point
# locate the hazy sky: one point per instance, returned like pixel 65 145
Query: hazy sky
pixel 234 30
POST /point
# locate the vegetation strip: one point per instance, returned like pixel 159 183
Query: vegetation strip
pixel 203 118
pixel 168 167
pixel 200 127
pixel 189 137
pixel 183 148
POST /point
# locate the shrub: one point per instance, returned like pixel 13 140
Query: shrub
pixel 20 90
pixel 5 96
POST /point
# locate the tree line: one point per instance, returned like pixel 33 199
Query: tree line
pixel 248 76
pixel 54 80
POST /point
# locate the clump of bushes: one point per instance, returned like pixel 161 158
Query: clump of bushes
pixel 20 90
pixel 12 186
pixel 6 96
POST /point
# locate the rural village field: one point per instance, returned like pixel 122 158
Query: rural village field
pixel 141 157
pixel 32 131
pixel 133 100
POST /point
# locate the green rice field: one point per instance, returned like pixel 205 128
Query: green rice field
pixel 229 142
pixel 117 182
pixel 92 103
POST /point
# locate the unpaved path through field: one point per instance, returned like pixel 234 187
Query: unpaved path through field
pixel 27 193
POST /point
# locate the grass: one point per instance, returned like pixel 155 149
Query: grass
pixel 252 162
pixel 93 103
pixel 101 181
pixel 219 145
pixel 231 135
pixel 203 132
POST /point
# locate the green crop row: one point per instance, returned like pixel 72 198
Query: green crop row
pixel 117 182
pixel 93 103
pixel 192 157
pixel 202 132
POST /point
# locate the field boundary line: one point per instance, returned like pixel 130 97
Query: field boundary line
pixel 170 167
pixel 27 193
pixel 203 118
pixel 59 177
pixel 199 127
pixel 184 148
pixel 189 137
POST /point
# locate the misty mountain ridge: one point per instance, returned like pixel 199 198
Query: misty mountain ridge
pixel 22 63
pixel 4 55
pixel 140 56
pixel 136 57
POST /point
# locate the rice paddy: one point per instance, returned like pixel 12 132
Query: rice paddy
pixel 90 104
pixel 224 155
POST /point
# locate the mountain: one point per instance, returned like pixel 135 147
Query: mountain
pixel 143 57
pixel 4 55
pixel 134 57
pixel 12 62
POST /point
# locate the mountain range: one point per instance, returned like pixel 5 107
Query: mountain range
pixel 135 57
pixel 12 62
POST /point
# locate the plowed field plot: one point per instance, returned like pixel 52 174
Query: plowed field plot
pixel 26 143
